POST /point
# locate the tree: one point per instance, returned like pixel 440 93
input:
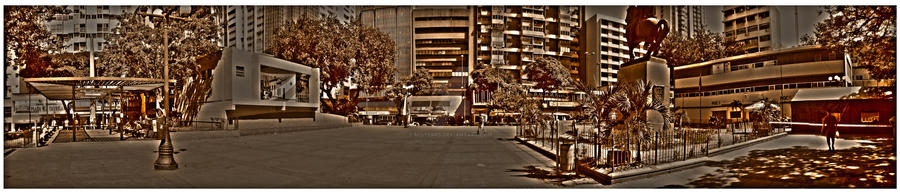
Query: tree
pixel 419 83
pixel 346 54
pixel 549 74
pixel 622 109
pixel 680 49
pixel 638 99
pixel 867 33
pixel 375 56
pixel 28 42
pixel 136 50
pixel 487 78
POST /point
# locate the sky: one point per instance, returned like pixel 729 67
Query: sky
pixel 807 17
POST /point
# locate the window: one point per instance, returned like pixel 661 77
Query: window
pixel 739 67
pixel 735 114
pixel 765 38
pixel 868 117
pixel 239 71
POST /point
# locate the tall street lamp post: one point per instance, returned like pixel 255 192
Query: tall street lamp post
pixel 166 158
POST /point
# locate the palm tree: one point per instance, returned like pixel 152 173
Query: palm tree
pixel 638 100
pixel 767 113
pixel 625 104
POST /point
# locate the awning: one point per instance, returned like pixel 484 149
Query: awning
pixel 760 105
pixel 60 88
pixel 818 94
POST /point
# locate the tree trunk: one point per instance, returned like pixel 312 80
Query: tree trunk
pixel 327 92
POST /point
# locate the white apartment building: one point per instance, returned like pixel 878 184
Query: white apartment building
pixel 752 25
pixel 684 19
pixel 606 50
pixel 87 27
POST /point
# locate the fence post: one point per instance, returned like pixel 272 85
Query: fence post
pixel 707 144
pixel 684 140
pixel 575 131
pixel 656 149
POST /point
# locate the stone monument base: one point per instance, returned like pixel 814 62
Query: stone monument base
pixel 653 71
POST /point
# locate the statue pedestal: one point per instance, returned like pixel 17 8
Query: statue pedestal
pixel 654 71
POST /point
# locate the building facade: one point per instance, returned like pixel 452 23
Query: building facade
pixel 752 25
pixel 722 88
pixel 257 86
pixel 396 22
pixel 605 50
pixel 87 27
pixel 250 28
pixel 510 37
pixel 685 19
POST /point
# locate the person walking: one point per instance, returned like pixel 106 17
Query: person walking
pixel 481 127
pixel 829 129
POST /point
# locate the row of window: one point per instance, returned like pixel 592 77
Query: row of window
pixel 749 29
pixel 722 67
pixel 613 24
pixel 610 32
pixel 739 9
pixel 819 84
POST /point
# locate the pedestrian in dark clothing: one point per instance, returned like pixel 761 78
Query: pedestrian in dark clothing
pixel 829 129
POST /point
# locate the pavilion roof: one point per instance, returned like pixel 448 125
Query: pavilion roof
pixel 61 88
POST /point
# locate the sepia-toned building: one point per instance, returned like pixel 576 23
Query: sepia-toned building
pixel 250 28
pixel 257 86
pixel 723 88
pixel 396 22
pixel 683 18
pixel 88 27
pixel 605 50
pixel 510 37
pixel 752 25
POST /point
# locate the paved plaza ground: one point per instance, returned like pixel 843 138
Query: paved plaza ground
pixel 370 156
pixel 358 156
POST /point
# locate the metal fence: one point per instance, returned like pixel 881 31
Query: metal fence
pixel 19 139
pixel 628 149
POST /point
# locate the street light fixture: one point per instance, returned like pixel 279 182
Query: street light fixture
pixel 166 157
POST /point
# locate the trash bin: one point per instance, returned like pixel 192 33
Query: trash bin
pixel 566 157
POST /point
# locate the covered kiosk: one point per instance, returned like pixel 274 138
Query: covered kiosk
pixel 109 91
pixel 855 114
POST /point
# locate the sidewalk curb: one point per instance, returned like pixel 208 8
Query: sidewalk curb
pixel 271 131
pixel 546 153
pixel 730 148
pixel 7 152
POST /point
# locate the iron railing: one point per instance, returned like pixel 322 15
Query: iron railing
pixel 628 149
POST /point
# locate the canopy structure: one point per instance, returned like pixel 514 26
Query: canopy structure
pixel 819 94
pixel 68 88
pixel 759 105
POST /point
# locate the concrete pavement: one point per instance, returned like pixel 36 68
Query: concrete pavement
pixel 683 177
pixel 359 156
